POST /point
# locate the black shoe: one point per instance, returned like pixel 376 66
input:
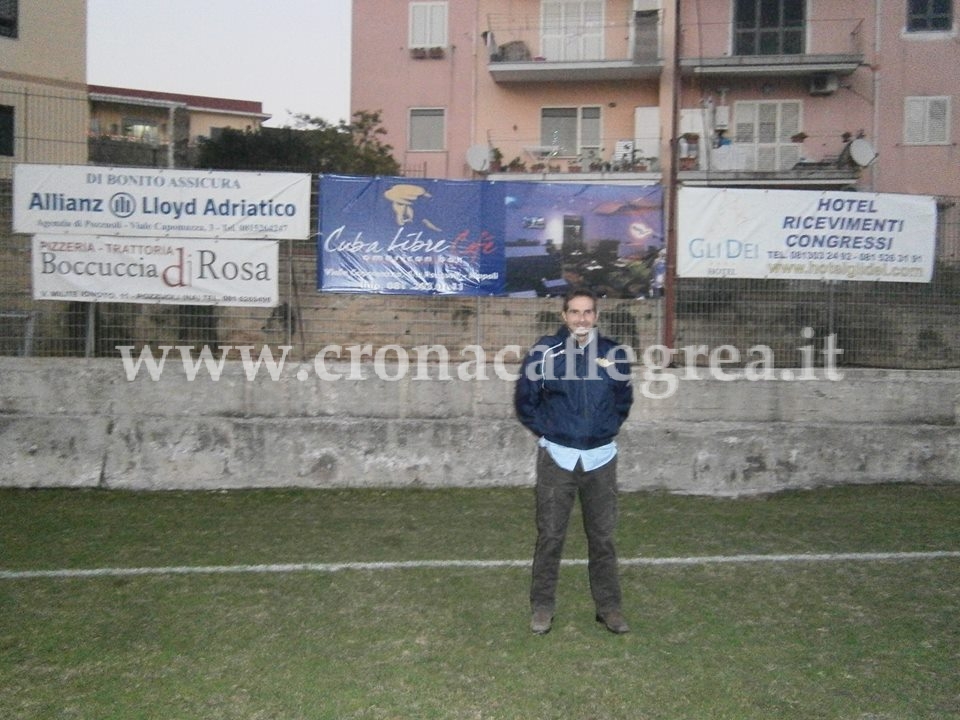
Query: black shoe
pixel 614 622
pixel 541 622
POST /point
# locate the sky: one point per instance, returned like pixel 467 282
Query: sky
pixel 291 55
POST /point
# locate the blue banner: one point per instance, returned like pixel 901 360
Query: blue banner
pixel 463 237
pixel 400 235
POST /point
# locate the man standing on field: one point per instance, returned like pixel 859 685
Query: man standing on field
pixel 574 393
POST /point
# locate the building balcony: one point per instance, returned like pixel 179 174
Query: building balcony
pixel 522 49
pixel 775 165
pixel 817 48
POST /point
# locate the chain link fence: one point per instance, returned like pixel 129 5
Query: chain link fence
pixel 877 325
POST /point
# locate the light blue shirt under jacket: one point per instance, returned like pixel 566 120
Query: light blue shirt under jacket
pixel 567 457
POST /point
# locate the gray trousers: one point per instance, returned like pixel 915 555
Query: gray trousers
pixel 556 492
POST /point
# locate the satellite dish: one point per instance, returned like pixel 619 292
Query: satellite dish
pixel 862 152
pixel 478 158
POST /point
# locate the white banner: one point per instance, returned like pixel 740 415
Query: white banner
pixel 147 202
pixel 805 235
pixel 156 271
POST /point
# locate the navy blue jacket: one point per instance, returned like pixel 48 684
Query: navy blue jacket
pixel 574 397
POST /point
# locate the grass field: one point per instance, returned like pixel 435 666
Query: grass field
pixel 718 632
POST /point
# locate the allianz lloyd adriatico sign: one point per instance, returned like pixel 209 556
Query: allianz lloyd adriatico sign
pixel 158 236
pixel 143 202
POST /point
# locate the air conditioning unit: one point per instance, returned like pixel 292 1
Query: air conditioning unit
pixel 824 84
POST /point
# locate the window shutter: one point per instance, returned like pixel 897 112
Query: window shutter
pixel 767 158
pixel 419 22
pixel 762 135
pixel 592 30
pixel 789 120
pixel 926 120
pixel 646 131
pixel 427 129
pixel 937 115
pixel 914 114
pixel 745 122
pixel 551 33
pixel 766 122
pixel 428 24
pixel 789 155
pixel 571 29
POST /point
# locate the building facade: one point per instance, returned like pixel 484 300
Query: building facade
pixel 43 107
pixel 144 127
pixel 754 93
pixel 48 113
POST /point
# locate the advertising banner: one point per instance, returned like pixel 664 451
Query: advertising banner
pixel 400 235
pixel 397 235
pixel 148 202
pixel 805 235
pixel 608 237
pixel 155 271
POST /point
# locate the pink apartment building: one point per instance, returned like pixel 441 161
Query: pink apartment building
pixel 857 94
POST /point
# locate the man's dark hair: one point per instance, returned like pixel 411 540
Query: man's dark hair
pixel 579 292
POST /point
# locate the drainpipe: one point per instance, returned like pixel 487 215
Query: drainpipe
pixel 171 156
pixel 877 28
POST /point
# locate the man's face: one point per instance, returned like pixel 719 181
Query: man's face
pixel 580 316
pixel 403 213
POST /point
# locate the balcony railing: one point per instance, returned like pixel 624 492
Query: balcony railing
pixel 817 160
pixel 616 154
pixel 522 48
pixel 816 46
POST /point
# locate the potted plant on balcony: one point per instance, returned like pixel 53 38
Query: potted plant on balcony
pixel 574 165
pixel 516 165
pixel 436 52
pixel 689 150
pixel 496 159
pixel 799 137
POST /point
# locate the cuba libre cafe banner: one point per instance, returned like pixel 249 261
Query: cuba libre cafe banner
pixel 158 235
pixel 805 235
pixel 405 236
pixel 479 237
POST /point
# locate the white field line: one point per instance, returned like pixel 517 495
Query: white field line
pixel 447 564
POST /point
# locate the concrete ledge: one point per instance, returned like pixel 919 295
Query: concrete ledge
pixel 80 423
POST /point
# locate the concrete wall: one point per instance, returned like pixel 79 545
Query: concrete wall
pixel 80 423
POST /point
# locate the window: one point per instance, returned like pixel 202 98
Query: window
pixel 572 29
pixel 575 131
pixel 427 129
pixel 428 24
pixel 929 15
pixel 6 130
pixel 146 131
pixel 926 120
pixel 763 131
pixel 8 18
pixel 768 27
